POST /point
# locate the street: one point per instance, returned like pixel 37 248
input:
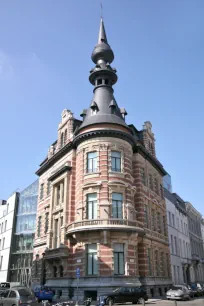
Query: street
pixel 193 302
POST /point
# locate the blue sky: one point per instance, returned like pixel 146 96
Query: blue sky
pixel 45 49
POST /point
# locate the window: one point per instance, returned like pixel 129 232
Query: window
pixel 173 220
pixel 58 194
pixel 3 243
pixel 181 226
pixel 150 182
pixel 48 187
pixel 161 191
pixel 167 265
pixel 41 191
pixel 156 263
pixel 159 222
pixel 164 225
pixel 92 259
pixel 153 220
pixel 1 262
pixel 106 81
pixel 149 259
pixel 5 225
pixel 146 219
pixel 55 271
pixel 162 264
pixel 46 222
pixel 116 161
pixel 62 186
pixel 65 136
pixel 172 245
pixel 169 214
pixel 0 244
pixel 117 205
pixel 92 206
pixel 119 259
pixel 56 231
pixel 156 186
pixel 61 271
pixel 62 140
pixel 175 242
pixel 39 226
pixel 99 81
pixel 61 221
pixel 91 162
pixel 12 294
pixel 143 177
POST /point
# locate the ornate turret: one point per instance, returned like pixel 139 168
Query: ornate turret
pixel 103 107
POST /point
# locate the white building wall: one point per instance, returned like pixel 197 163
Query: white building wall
pixel 176 264
pixel 6 228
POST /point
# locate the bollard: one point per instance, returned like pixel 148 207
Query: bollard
pixel 143 302
pixel 175 303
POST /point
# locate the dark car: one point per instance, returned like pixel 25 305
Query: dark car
pixel 123 295
pixel 43 293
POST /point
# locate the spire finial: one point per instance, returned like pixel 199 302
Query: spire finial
pixel 101 11
pixel 102 38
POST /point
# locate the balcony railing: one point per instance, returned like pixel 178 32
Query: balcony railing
pixel 156 235
pixel 123 224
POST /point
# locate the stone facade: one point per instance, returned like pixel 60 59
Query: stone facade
pixel 101 206
pixel 197 251
pixel 179 241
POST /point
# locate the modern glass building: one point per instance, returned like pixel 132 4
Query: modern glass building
pixel 22 248
pixel 167 182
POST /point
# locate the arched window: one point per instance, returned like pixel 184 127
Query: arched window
pixel 62 140
pixel 65 136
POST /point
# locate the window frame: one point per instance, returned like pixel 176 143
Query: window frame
pixel 93 206
pixel 115 160
pixel 93 161
pixel 93 256
pixel 119 254
pixel 117 204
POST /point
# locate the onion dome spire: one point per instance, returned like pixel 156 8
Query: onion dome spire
pixel 103 107
pixel 102 50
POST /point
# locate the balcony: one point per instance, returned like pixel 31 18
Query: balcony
pixel 105 224
pixel 60 252
pixel 195 257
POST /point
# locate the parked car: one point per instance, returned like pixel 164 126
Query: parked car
pixel 178 292
pixel 123 295
pixel 192 291
pixel 197 288
pixel 16 296
pixel 43 293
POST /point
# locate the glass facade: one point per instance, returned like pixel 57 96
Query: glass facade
pixel 167 182
pixel 22 248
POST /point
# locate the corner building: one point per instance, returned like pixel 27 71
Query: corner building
pixel 101 206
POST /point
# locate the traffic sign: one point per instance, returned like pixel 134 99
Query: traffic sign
pixel 77 272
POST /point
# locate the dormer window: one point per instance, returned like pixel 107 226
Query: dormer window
pixel 94 108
